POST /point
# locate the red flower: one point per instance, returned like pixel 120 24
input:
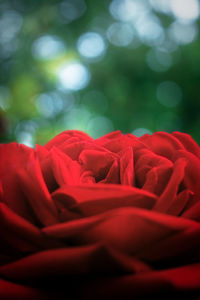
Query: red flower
pixel 112 218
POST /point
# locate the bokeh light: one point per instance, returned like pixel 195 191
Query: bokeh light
pixel 49 105
pixel 25 131
pixel 73 76
pixel 71 10
pixel 128 10
pixel 150 30
pixel 185 10
pixel 77 119
pixel 91 45
pixel 47 47
pixel 120 34
pixel 158 60
pixel 183 33
pixel 162 6
pixel 10 24
pixel 141 131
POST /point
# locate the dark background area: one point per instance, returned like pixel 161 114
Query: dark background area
pixel 98 66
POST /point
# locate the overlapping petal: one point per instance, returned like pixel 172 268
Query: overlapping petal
pixel 114 218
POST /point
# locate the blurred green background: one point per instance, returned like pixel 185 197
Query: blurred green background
pixel 98 66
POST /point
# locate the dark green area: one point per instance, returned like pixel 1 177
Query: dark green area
pixel 138 87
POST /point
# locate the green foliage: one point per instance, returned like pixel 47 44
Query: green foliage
pixel 133 78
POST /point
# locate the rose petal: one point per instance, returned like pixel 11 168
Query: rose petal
pixel 29 192
pixel 116 142
pixel 42 152
pixel 126 167
pixel 34 188
pixel 170 192
pixel 10 291
pixel 180 248
pixel 74 149
pixel 12 158
pixel 93 259
pixel 72 228
pixel 151 180
pixel 113 175
pixel 131 230
pixel 66 171
pixel 188 142
pixel 192 171
pixel 193 212
pixel 179 203
pixel 62 137
pixel 162 143
pixel 147 161
pixel 1 192
pixel 19 233
pixel 110 136
pixel 93 199
pixel 176 283
pixel 98 162
pixel 46 166
pixel 157 179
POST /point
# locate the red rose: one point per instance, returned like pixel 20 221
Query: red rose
pixel 112 218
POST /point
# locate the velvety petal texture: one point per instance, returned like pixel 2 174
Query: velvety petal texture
pixel 113 218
